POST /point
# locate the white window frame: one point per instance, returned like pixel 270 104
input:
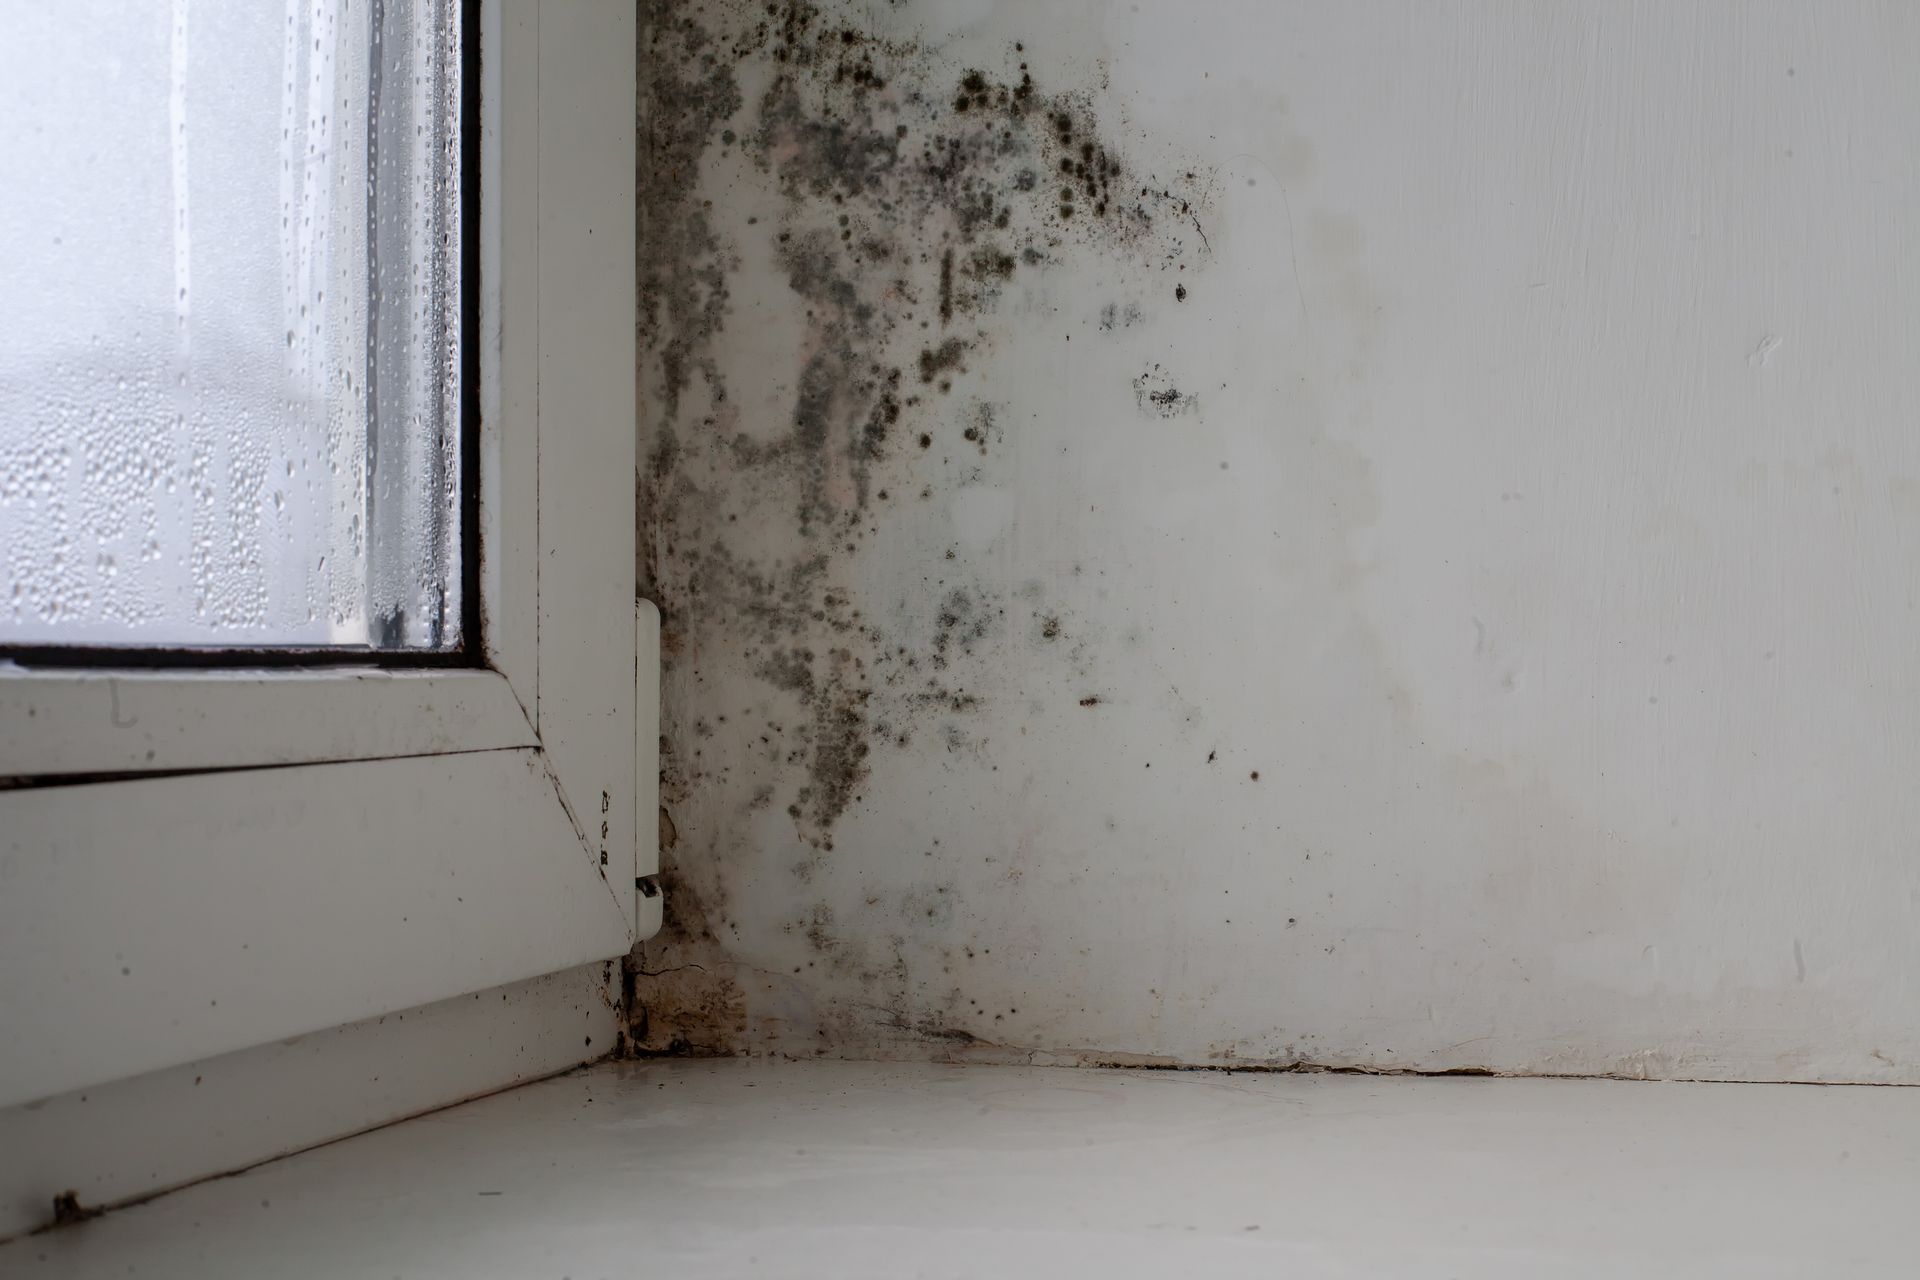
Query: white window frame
pixel 318 846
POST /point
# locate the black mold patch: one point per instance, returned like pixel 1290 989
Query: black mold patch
pixel 1156 393
pixel 938 364
pixel 683 267
pixel 840 746
pixel 961 625
pixel 982 429
pixel 908 205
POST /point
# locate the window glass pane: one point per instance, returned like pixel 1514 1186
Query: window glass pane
pixel 229 323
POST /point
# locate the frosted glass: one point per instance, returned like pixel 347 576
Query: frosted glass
pixel 229 323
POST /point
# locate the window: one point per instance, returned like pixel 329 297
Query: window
pixel 230 383
pixel 244 795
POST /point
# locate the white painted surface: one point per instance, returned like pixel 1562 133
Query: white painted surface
pixel 134 1137
pixel 853 1170
pixel 510 381
pixel 107 721
pixel 1544 536
pixel 293 913
pixel 157 921
pixel 577 183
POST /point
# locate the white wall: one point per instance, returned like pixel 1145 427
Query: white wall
pixel 1539 518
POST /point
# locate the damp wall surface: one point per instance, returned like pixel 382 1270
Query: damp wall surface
pixel 1360 534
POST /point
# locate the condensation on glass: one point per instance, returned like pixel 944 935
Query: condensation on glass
pixel 229 323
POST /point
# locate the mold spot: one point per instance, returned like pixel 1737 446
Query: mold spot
pixel 943 359
pixel 908 207
pixel 1156 394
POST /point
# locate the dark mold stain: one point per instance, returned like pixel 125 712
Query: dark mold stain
pixel 67 1209
pixel 932 1027
pixel 677 1007
pixel 907 205
pixel 683 266
pixel 840 741
pixel 1156 394
pixel 983 426
pixel 961 624
pixel 937 363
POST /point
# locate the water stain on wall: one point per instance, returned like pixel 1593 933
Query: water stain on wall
pixel 910 197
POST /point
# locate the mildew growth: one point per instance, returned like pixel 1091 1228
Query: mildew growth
pixel 683 265
pixel 1157 394
pixel 907 205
